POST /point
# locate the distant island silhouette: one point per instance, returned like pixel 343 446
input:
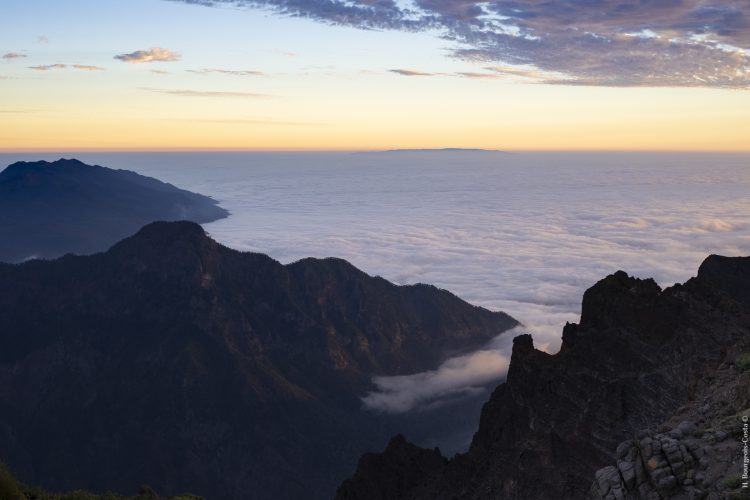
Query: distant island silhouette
pixel 443 150
pixel 48 209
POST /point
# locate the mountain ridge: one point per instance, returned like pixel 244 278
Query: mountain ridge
pixel 79 208
pixel 175 361
pixel 635 360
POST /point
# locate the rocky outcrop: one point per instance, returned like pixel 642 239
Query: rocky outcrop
pixel 695 454
pixel 50 209
pixel 396 472
pixel 177 362
pixel 684 463
pixel 639 357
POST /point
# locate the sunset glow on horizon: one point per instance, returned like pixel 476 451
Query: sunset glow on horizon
pixel 193 77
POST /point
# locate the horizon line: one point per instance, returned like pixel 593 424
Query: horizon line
pixel 355 150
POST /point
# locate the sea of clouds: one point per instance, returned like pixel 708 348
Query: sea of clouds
pixel 525 233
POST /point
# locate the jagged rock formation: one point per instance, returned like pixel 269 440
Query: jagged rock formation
pixel 685 463
pixel 696 454
pixel 177 362
pixel 50 209
pixel 639 356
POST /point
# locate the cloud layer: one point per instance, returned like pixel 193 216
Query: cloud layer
pixel 410 72
pixel 48 67
pixel 523 233
pixel 13 55
pixel 233 72
pixel 206 93
pixel 82 67
pixel 154 54
pixel 461 376
pixel 600 42
pixel 88 67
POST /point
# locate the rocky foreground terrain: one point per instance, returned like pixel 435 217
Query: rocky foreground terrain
pixel 173 361
pixel 11 489
pixel 645 400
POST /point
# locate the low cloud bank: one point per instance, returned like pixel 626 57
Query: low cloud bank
pixel 524 233
pixel 458 377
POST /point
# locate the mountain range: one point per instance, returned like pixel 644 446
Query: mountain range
pixel 173 361
pixel 50 209
pixel 647 399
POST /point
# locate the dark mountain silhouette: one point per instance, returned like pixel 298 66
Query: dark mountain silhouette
pixel 644 400
pixel 10 489
pixel 173 361
pixel 50 209
pixel 443 150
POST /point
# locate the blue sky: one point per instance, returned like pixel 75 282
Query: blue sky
pixel 90 32
pixel 336 74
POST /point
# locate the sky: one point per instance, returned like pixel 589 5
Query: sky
pixel 374 74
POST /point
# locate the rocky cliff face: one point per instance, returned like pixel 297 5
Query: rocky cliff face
pixel 50 209
pixel 639 356
pixel 173 361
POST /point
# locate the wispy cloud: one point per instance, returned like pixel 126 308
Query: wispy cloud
pixel 493 72
pixel 411 72
pixel 88 67
pixel 457 377
pixel 476 74
pixel 48 67
pixel 284 53
pixel 206 93
pixel 253 121
pixel 607 42
pixel 82 67
pixel 154 54
pixel 42 39
pixel 13 55
pixel 234 72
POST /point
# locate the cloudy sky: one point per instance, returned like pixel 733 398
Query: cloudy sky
pixel 374 74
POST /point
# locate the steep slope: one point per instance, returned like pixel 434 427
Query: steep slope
pixel 639 356
pixel 177 362
pixel 50 209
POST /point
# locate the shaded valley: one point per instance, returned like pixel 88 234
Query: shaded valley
pixel 646 399
pixel 173 361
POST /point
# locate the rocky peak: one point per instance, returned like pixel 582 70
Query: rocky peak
pixel 524 359
pixel 84 209
pixel 729 274
pixel 638 356
pixel 393 473
pixel 164 236
pixel 38 166
pixel 218 371
pixel 522 345
pixel 179 249
pixel 617 300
